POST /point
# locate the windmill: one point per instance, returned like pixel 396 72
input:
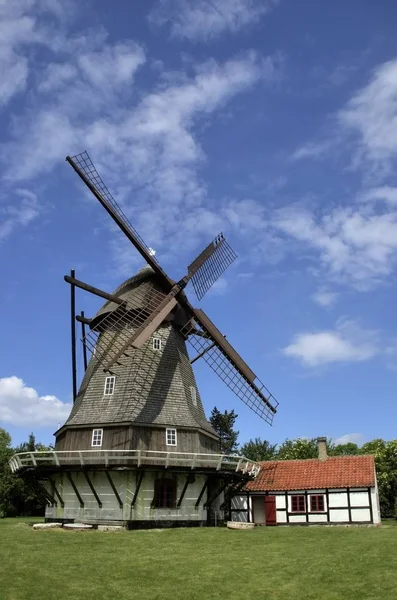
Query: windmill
pixel 137 426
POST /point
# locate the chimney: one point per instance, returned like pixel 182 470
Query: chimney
pixel 322 448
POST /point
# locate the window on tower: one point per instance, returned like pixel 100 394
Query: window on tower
pixel 97 435
pixel 164 493
pixel 157 343
pixel 170 437
pixel 110 383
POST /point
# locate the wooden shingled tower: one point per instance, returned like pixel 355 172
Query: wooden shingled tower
pixel 137 448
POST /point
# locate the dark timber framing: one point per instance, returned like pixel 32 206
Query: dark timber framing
pixel 76 491
pixel 189 479
pixel 56 493
pixel 115 492
pixel 349 506
pixel 201 493
pixel 73 333
pixel 83 340
pixel 217 493
pixel 138 487
pixel 371 512
pixel 93 490
pixel 92 289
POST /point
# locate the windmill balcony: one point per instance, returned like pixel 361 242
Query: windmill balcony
pixel 131 459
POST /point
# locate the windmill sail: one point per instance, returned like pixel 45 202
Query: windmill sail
pixel 207 341
pixel 86 170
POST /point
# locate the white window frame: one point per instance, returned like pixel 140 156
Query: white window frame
pixel 193 395
pixel 157 343
pixel 171 436
pixel 110 382
pixel 97 436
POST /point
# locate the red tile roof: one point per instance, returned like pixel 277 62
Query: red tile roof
pixel 335 472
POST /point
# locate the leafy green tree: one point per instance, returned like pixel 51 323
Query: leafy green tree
pixel 385 454
pixel 298 449
pixel 223 423
pixel 258 450
pixel 349 449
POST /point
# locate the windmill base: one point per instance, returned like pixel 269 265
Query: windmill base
pixel 132 498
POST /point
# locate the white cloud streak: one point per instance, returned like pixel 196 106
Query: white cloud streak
pixel 202 20
pixel 22 405
pixel 348 342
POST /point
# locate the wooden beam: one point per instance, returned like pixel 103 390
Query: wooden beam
pixel 143 333
pixel 93 490
pixel 201 493
pixel 84 320
pixel 83 340
pixel 92 289
pixel 56 493
pixel 76 491
pixel 138 487
pixel 216 494
pixel 115 492
pixel 73 334
pixel 189 479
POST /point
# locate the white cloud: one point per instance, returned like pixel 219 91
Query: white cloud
pixel 355 438
pixel 371 115
pixel 16 215
pixel 385 193
pixel 22 405
pixel 206 19
pixel 356 244
pixel 325 297
pixel 311 150
pixel 346 343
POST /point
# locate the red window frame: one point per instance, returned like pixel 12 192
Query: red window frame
pixel 298 503
pixel 317 503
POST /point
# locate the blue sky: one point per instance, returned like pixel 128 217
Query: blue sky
pixel 275 122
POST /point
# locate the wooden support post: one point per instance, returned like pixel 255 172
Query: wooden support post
pixel 93 490
pixel 45 494
pixel 83 340
pixel 56 493
pixel 76 491
pixel 73 333
pixel 115 492
pixel 201 493
pixel 138 487
pixel 92 289
pixel 216 494
pixel 189 479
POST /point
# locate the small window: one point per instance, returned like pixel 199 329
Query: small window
pixel 164 493
pixel 298 504
pixel 110 383
pixel 156 344
pixel 317 503
pixel 97 437
pixel 193 394
pixel 170 437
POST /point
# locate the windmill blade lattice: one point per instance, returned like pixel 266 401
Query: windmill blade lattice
pixel 250 390
pixel 115 329
pixel 212 264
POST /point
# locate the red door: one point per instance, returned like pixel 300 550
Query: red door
pixel 270 510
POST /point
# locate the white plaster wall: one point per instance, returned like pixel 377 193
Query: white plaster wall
pixel 297 518
pixel 361 515
pixel 281 517
pixel 337 500
pixel 358 498
pixel 375 503
pixel 339 516
pixel 317 518
pixel 280 501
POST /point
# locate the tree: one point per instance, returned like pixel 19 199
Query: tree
pixel 259 450
pixel 223 423
pixel 385 454
pixel 299 448
pixel 349 449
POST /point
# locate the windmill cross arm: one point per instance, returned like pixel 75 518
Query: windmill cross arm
pixel 93 290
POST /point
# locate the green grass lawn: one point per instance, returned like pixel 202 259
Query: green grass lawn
pixel 203 564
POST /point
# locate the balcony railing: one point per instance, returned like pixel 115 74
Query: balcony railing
pixel 133 459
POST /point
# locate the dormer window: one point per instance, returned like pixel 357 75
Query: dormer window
pixel 157 343
pixel 110 383
pixel 97 435
pixel 193 395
